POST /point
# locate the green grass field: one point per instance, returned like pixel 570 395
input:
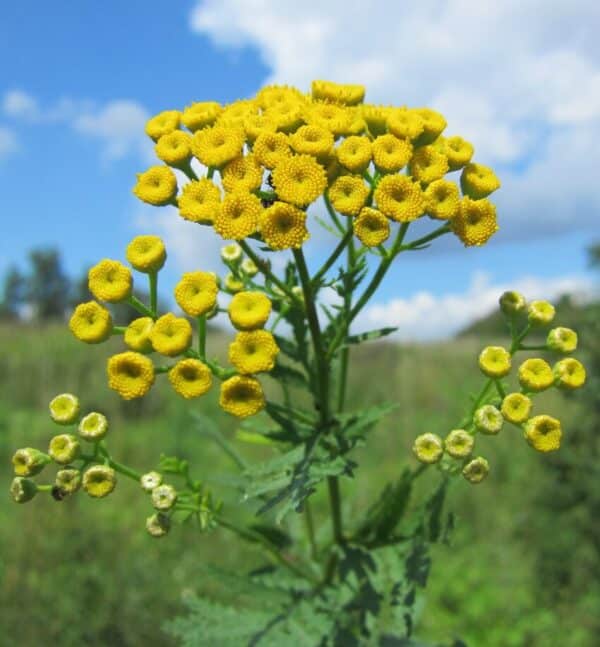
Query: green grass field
pixel 84 572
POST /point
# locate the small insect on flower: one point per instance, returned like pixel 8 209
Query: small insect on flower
pixel 137 335
pixel 540 312
pixel 130 374
pixel 476 470
pixel 299 180
pixel 158 525
pixel 563 340
pixel 93 427
pixel 428 164
pixel 459 443
pixel 348 194
pixel 442 200
pixel 199 201
pixel 511 303
pixel 64 448
pixel 399 198
pixel 253 352
pixel 163 123
pixel 29 461
pixel 241 396
pixel 91 323
pixel 150 480
pixel 478 181
pixel 390 153
pixel 488 419
pixel 428 448
pixel 22 489
pixel 68 481
pixel 354 153
pixel 156 186
pixel 110 281
pixel 64 409
pixel 164 497
pixel 543 433
pixel 535 374
pixel 146 253
pixel 516 407
pixel 238 216
pixel 371 227
pixel 191 378
pixel 171 335
pixel 99 481
pixel 494 361
pixel 196 293
pixel 569 373
pixel 249 310
pixel 283 226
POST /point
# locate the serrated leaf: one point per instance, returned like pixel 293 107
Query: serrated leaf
pixel 370 335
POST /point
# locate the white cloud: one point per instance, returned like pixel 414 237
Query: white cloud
pixel 8 142
pixel 17 103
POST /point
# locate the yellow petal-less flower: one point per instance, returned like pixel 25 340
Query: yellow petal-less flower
pixel 255 125
pixel 91 323
pixel 371 227
pixel 516 408
pixel 344 94
pixel 288 115
pixel 488 419
pixel 511 302
pixel 99 481
pixel 29 461
pixel 249 310
pixel 146 253
pixel 110 281
pixel 494 361
pixel 478 181
pixel 199 201
pixel 433 124
pixel 238 216
pixel 458 151
pixel 428 164
pixel 569 373
pixel 241 396
pixel 405 124
pixel 390 153
pixel 130 374
pixel 191 378
pixel 283 226
pixel 163 123
pixel 93 426
pixel 64 448
pixel 175 148
pixel 375 118
pixel 199 115
pixel 476 470
pixel 442 200
pixel 348 194
pixel 459 443
pixel 253 351
pixel 299 180
pixel 354 153
pixel 428 448
pixel 540 313
pixel 242 174
pixel 232 284
pixel 535 374
pixel 137 335
pixel 171 335
pixel 271 95
pixel 156 186
pixel 543 433
pixel 475 222
pixel 234 114
pixel 312 140
pixel 336 119
pixel 563 340
pixel 64 408
pixel 196 293
pixel 271 148
pixel 217 145
pixel 399 198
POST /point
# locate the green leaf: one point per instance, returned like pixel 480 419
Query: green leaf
pixel 369 336
pixel 172 465
pixel 288 374
pixel 355 425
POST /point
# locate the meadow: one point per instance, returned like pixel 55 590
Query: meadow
pixel 84 572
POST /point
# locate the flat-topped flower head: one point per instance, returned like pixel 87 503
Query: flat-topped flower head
pixel 64 448
pixel 171 335
pixel 68 480
pixel 391 153
pixel 91 323
pixel 253 351
pixel 249 310
pixel 459 443
pixel 399 198
pixel 442 200
pixel 299 180
pixel 271 148
pixel 156 186
pixel 146 253
pixel 488 419
pixel 563 340
pixel 110 281
pixel 238 216
pixel 428 448
pixel 241 396
pixel 354 153
pixel 312 140
pixel 158 525
pixel 216 145
pixel 164 497
pixel 478 181
pixel 494 361
pixel 569 373
pixel 174 149
pixel 348 194
pixel 199 201
pixel 540 313
pixel 201 114
pixel 99 481
pixel 405 123
pixel 242 174
pixel 371 227
pixel 191 378
pixel 476 470
pixel 196 293
pixel 535 375
pixel 29 461
pixel 543 433
pixel 137 335
pixel 475 222
pixel 458 152
pixel 283 226
pixel 433 124
pixel 344 94
pixel 64 409
pixel 516 408
pixel 93 426
pixel 233 284
pixel 150 480
pixel 512 303
pixel 428 164
pixel 22 489
pixel 130 374
pixel 163 123
pixel 231 253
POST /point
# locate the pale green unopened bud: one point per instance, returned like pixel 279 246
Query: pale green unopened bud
pixel 231 253
pixel 277 291
pixel 64 448
pixel 249 267
pixel 93 426
pixel 459 443
pixel 29 461
pixel 298 292
pixel 150 481
pixel 488 419
pixel 22 489
pixel 476 470
pixel 540 313
pixel 99 481
pixel 64 408
pixel 164 497
pixel 232 284
pixel 158 525
pixel 563 340
pixel 512 302
pixel 68 481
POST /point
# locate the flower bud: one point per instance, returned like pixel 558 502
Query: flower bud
pixel 99 481
pixel 540 313
pixel 150 481
pixel 64 448
pixel 494 361
pixel 488 419
pixel 68 481
pixel 543 433
pixel 563 340
pixel 512 303
pixel 249 267
pixel 64 408
pixel 164 497
pixel 298 292
pixel 428 448
pixel 535 374
pixel 516 408
pixel 231 253
pixel 232 284
pixel 158 525
pixel 459 443
pixel 569 373
pixel 93 426
pixel 22 489
pixel 476 470
pixel 29 461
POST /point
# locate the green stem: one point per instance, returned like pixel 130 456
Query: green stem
pixel 440 231
pixel 210 172
pixel 310 529
pixel 153 278
pixel 135 303
pixel 119 330
pixel 262 267
pixel 333 258
pixel 540 347
pixel 336 508
pixel 202 336
pixel 123 469
pixel 333 214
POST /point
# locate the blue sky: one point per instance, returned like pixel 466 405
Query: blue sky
pixel 78 81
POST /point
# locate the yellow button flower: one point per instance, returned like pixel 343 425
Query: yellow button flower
pixel 569 373
pixel 283 226
pixel 163 123
pixel 476 470
pixel 253 352
pixel 241 396
pixel 516 408
pixel 238 216
pixel 199 201
pixel 196 293
pixel 94 426
pixel 91 323
pixel 312 140
pixel 478 181
pixel 217 145
pixel 242 174
pixel 64 449
pixel 348 194
pixel 29 461
pixel 458 151
pixel 405 124
pixel 535 375
pixel 234 114
pixel 428 448
pixel 459 443
pixel 433 124
pixel 354 153
pixel 543 433
pixel 475 223
pixel 171 335
pixel 156 186
pixel 399 198
pixel 540 313
pixel 563 340
pixel 191 378
pixel 64 409
pixel 201 114
pixel 99 481
pixel 110 281
pixel 137 335
pixel 345 94
pixel 442 200
pixel 270 95
pixel 512 302
pixel 299 180
pixel 158 524
pixel 256 125
pixel 249 310
pixel 146 253
pixel 494 361
pixel 232 284
pixel 391 153
pixel 371 227
pixel 488 419
pixel 175 148
pixel 130 374
pixel 428 164
pixel 270 149
pixel 231 253
pixel 375 118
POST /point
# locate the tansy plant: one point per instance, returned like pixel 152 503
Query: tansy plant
pixel 250 170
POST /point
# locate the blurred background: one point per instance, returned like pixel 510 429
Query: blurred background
pixel 520 80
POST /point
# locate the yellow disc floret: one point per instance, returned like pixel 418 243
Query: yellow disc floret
pixel 191 378
pixel 535 374
pixel 494 361
pixel 110 281
pixel 458 151
pixel 390 153
pixel 146 253
pixel 156 186
pixel 91 322
pixel 478 181
pixel 399 198
pixel 428 448
pixel 238 216
pixel 242 174
pixel 371 227
pixel 354 153
pixel 171 335
pixel 175 148
pixel 254 351
pixel 442 200
pixel 196 293
pixel 312 140
pixel 64 408
pixel 137 335
pixel 163 123
pixel 348 194
pixel 345 94
pixel 217 145
pixel 563 340
pixel 569 373
pixel 283 226
pixel 271 148
pixel 475 222
pixel 428 164
pixel 241 396
pixel 299 179
pixel 516 407
pixel 130 374
pixel 199 201
pixel 249 310
pixel 459 443
pixel 543 433
pixel 199 115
